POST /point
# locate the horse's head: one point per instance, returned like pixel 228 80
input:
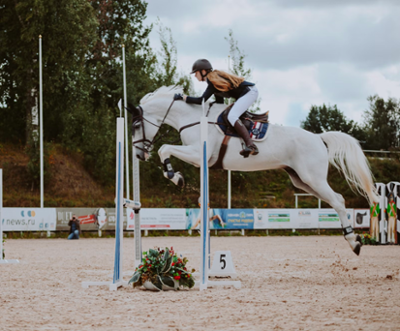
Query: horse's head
pixel 148 117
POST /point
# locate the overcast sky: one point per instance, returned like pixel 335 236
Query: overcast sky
pixel 301 52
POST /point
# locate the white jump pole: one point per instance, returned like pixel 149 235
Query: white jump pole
pixel 136 197
pixel 126 124
pixel 205 215
pixel 119 213
pixel 229 172
pixel 119 210
pixel 41 124
pixel 204 207
pixel 3 261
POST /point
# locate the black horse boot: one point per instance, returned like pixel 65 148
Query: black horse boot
pixel 250 148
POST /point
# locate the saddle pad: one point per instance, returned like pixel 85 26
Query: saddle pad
pixel 257 132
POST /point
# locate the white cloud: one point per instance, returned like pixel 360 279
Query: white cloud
pixel 300 52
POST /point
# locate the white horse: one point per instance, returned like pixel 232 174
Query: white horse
pixel 303 155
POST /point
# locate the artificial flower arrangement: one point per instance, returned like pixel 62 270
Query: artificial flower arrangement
pixel 162 269
pixel 367 239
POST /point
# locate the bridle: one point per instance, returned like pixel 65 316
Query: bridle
pixel 139 119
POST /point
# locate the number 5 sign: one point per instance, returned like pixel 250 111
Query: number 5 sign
pixel 222 265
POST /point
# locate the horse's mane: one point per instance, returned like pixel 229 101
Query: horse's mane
pixel 162 91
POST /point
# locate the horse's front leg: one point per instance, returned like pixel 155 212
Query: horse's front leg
pixel 187 154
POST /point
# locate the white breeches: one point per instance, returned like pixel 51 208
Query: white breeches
pixel 391 229
pixel 242 104
pixel 375 227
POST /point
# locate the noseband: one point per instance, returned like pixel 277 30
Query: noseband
pixel 139 119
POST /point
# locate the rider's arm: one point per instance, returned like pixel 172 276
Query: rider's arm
pixel 206 95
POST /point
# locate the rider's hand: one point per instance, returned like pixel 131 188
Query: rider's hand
pixel 178 96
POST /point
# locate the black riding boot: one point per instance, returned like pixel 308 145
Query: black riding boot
pixel 250 148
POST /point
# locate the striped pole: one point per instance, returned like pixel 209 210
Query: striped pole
pixel 119 212
pixel 204 207
pixel 41 124
pixel 126 123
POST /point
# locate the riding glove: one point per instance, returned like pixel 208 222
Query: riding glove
pixel 178 96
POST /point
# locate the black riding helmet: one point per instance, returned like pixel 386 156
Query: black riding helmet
pixel 202 64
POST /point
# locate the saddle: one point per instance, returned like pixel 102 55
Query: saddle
pixel 256 124
pixel 247 119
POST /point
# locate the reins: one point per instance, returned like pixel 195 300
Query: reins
pixel 149 144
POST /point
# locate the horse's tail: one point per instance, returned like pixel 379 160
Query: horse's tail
pixel 346 155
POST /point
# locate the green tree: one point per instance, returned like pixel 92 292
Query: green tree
pixel 330 118
pixel 166 74
pixel 238 66
pixel 382 122
pixel 237 56
pixel 91 128
pixel 67 27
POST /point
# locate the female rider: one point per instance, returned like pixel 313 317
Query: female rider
pixel 225 85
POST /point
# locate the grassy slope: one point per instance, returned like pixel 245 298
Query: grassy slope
pixel 72 186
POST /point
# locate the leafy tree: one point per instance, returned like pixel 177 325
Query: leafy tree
pixel 382 122
pixel 330 118
pixel 166 74
pixel 238 66
pixel 67 27
pixel 167 71
pixel 237 56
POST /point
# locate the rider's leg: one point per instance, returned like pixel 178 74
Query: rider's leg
pixel 250 147
pixel 240 106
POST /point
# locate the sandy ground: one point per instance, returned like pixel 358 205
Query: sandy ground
pixel 288 283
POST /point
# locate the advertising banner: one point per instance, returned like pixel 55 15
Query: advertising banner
pixel 285 219
pixel 232 219
pixel 229 219
pixel 28 219
pixel 130 215
pixel 361 218
pixel 273 219
pixel 305 218
pixel 163 219
pixel 90 219
pixel 329 219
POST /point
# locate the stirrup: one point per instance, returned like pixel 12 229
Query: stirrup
pixel 249 150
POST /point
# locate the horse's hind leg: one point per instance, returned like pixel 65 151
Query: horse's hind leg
pixel 318 186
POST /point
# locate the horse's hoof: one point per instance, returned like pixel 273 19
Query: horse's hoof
pixel 358 238
pixel 357 249
pixel 181 180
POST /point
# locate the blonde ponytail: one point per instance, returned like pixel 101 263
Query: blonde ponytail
pixel 224 81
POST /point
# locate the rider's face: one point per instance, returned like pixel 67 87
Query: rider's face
pixel 197 74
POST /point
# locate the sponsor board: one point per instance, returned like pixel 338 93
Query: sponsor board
pixel 273 219
pixel 28 219
pixel 90 219
pixel 361 218
pixel 232 219
pixel 163 219
pixel 329 219
pixel 229 219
